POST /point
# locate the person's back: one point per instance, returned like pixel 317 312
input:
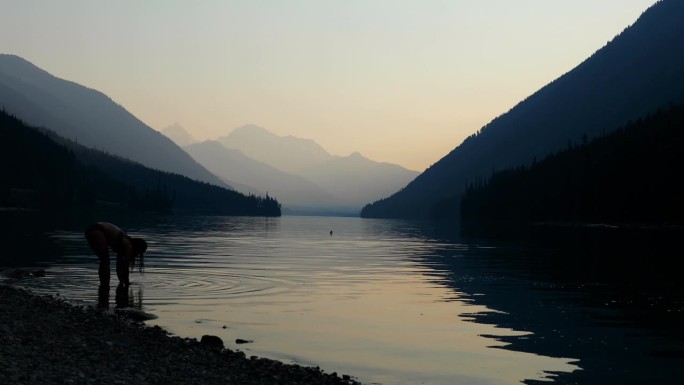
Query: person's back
pixel 102 236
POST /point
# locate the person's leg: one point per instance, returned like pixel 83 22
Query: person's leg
pixel 122 269
pixel 98 243
pixel 122 296
pixel 103 296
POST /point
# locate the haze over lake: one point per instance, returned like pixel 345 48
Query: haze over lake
pixel 392 302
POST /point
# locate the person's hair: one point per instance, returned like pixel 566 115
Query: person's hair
pixel 139 247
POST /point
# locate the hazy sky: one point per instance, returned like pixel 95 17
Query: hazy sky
pixel 399 81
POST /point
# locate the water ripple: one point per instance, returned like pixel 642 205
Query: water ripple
pixel 366 300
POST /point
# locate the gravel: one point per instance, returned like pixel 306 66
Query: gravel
pixel 46 340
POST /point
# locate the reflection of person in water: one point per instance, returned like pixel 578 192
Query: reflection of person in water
pixel 101 237
pixel 124 297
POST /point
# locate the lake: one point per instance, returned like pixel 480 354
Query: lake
pixel 399 302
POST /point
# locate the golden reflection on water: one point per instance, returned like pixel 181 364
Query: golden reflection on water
pixel 397 327
pixel 358 303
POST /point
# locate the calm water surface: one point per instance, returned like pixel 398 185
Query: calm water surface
pixel 384 301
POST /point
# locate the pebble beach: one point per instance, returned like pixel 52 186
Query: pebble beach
pixel 47 340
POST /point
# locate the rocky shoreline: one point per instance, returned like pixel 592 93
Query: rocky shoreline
pixel 46 340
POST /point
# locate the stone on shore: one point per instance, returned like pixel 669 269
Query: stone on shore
pixel 213 342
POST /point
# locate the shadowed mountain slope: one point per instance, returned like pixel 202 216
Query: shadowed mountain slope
pixel 632 175
pixel 90 118
pixel 639 71
pixel 47 173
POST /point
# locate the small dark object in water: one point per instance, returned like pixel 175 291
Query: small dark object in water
pixel 331 233
pixel 241 341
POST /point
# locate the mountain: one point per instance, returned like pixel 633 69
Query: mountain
pixel 287 153
pixel 43 172
pixel 301 173
pixel 297 194
pixel 629 176
pixel 178 135
pixel 639 71
pixel 358 179
pixel 89 117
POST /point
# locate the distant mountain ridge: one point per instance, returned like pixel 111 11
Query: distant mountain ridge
pixel 89 117
pixel 291 190
pixel 287 153
pixel 179 135
pixel 317 183
pixel 357 178
pixel 639 71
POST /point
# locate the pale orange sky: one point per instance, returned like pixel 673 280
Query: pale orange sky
pixel 399 81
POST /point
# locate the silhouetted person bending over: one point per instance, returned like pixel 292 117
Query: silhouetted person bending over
pixel 101 237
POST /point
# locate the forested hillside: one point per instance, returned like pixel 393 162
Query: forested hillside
pixel 633 175
pixel 41 174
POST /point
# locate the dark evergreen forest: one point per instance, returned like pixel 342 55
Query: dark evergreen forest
pixel 44 172
pixel 632 175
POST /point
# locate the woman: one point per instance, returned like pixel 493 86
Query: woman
pixel 101 237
